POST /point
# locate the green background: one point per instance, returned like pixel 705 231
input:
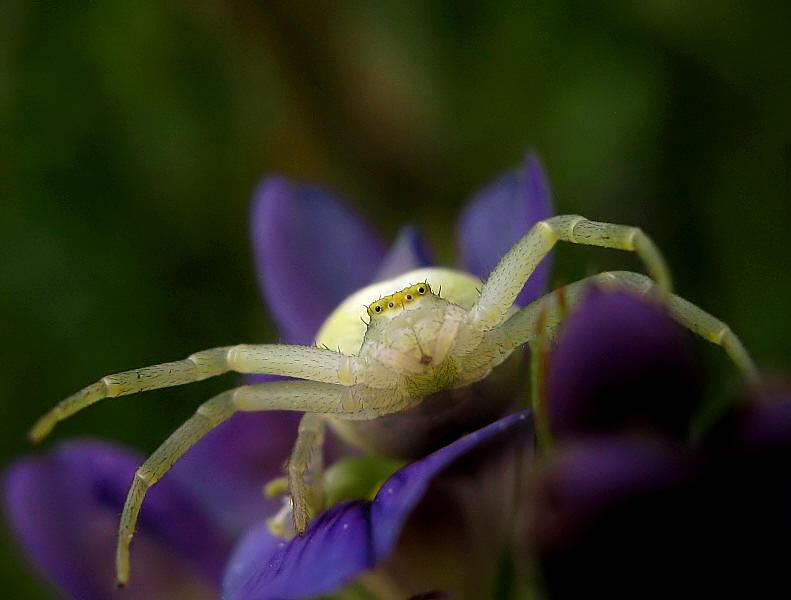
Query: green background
pixel 132 133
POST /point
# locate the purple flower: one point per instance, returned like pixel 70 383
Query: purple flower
pixel 621 362
pixel 355 536
pixel 64 508
pixel 311 252
pixel 612 510
pixel 746 485
pixel 627 505
pixel 612 517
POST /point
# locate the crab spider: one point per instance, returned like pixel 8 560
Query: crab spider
pixel 398 342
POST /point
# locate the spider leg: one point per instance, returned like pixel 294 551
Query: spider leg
pixel 303 362
pixel 357 402
pixel 544 315
pixel 208 416
pixel 307 456
pixel 509 276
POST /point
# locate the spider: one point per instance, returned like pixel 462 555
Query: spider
pixel 416 341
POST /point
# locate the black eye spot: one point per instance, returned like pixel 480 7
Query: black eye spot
pixel 421 290
pixel 391 304
pixel 378 308
pixel 409 296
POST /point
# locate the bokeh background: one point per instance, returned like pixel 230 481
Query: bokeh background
pixel 132 134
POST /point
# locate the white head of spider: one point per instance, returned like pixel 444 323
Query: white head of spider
pixel 395 344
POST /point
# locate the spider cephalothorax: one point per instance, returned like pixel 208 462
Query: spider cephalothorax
pixel 383 351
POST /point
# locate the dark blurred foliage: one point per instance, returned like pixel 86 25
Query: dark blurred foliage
pixel 132 133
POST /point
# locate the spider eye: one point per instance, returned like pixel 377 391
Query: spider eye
pixel 390 304
pixel 421 290
pixel 377 308
pixel 409 296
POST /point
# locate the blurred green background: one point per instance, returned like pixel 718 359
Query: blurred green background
pixel 132 133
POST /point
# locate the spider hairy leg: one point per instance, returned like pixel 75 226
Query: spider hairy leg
pixel 305 396
pixel 711 328
pixel 303 362
pixel 509 276
pixel 208 416
pixel 546 314
pixel 306 456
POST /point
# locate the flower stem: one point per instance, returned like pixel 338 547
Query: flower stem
pixel 538 365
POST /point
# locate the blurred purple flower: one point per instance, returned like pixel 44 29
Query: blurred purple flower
pixel 746 485
pixel 627 503
pixel 615 501
pixel 64 508
pixel 63 505
pixel 612 517
pixel 621 362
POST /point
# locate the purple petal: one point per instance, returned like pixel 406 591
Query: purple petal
pixel 766 423
pixel 620 514
pixel 310 253
pixel 399 494
pixel 226 471
pixel 748 488
pixel 621 362
pixel 352 536
pixel 759 423
pixel 409 251
pixel 498 216
pixel 336 546
pixel 64 508
pixel 245 565
pixel 587 477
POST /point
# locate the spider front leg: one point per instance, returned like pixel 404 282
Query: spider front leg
pixel 303 362
pixel 543 316
pixel 509 276
pixel 306 457
pixel 356 402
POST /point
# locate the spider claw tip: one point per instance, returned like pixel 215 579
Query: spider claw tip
pixel 35 435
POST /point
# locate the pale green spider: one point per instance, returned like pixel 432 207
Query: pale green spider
pixel 414 344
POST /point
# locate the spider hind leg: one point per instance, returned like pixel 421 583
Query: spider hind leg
pixel 304 396
pixel 544 316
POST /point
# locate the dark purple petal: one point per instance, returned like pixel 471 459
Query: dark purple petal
pixel 621 362
pixel 764 423
pixel 64 508
pixel 409 251
pixel 335 547
pixel 621 515
pixel 310 252
pixel 469 514
pixel 226 471
pixel 399 494
pixel 498 216
pixel 588 477
pixel 245 564
pixel 352 536
pixel 748 488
